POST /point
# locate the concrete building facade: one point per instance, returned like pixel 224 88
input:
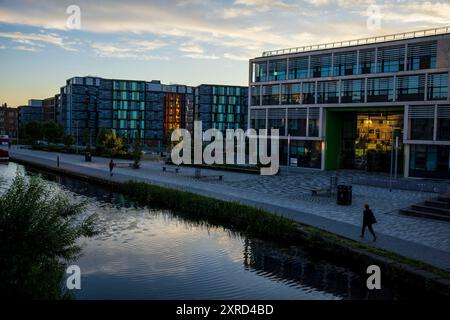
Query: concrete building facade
pixel 358 104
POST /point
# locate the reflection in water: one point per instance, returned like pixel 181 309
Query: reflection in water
pixel 152 254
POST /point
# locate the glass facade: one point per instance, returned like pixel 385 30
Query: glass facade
pixel 367 139
pixel 380 89
pixel 382 80
pixel 352 91
pixel 277 120
pixel 328 92
pixel 422 56
pixel 260 71
pixel 290 93
pixel 298 68
pixel 258 119
pixel 308 93
pixel 437 88
pixel 411 88
pixel 129 109
pixel 320 66
pixel 277 70
pixel 367 61
pixel 306 154
pixel 391 59
pixel 297 122
pixel 443 123
pixel 270 95
pixel 224 107
pixel 345 64
pixel 429 161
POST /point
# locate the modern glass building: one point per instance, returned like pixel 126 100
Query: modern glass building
pixel 134 109
pixel 221 107
pixel 345 104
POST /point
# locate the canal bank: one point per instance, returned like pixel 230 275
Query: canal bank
pixel 344 250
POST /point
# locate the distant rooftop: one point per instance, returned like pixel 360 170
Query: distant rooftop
pixel 363 41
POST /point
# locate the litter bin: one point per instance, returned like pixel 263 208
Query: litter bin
pixel 344 195
pixel 87 157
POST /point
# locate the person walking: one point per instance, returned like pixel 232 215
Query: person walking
pixel 368 221
pixel 111 167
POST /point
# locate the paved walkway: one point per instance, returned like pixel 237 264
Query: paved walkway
pixel 422 239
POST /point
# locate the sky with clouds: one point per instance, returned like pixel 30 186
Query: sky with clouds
pixel 179 41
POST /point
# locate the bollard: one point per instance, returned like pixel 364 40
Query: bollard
pixel 57 161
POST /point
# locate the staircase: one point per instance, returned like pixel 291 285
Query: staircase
pixel 438 209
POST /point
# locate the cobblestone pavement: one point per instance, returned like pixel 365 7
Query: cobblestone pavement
pixel 289 191
pixel 384 203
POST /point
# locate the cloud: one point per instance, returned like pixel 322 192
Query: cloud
pixel 37 39
pixel 124 51
pixel 238 57
pixel 201 56
pixel 220 27
pixel 192 48
pixel 25 48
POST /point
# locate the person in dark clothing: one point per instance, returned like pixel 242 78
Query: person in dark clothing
pixel 111 167
pixel 368 221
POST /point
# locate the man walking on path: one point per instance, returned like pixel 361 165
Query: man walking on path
pixel 111 167
pixel 368 221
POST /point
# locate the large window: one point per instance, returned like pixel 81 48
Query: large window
pixel 437 86
pixel 443 123
pixel 422 56
pixel 328 92
pixel 308 93
pixel 256 99
pixel 260 71
pixel 421 122
pixel 290 93
pixel 321 66
pixel 271 95
pixel 298 68
pixel 297 122
pixel 313 122
pixel 352 91
pixel 380 89
pixel 411 88
pixel 277 70
pixel 277 120
pixel 429 161
pixel 367 61
pixel 391 59
pixel 345 64
pixel 307 154
pixel 258 119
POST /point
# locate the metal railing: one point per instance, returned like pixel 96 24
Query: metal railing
pixel 363 41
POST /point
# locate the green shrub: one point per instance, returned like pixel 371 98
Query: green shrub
pixel 228 214
pixel 38 233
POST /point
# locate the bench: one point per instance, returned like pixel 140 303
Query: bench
pixel 328 189
pixel 122 164
pixel 165 169
pixel 218 176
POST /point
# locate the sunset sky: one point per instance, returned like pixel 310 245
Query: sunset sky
pixel 186 41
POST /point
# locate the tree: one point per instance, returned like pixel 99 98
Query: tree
pixel 33 131
pixel 52 131
pixel 168 139
pixel 86 137
pixel 68 140
pixel 39 229
pixel 137 151
pixel 100 141
pixel 113 142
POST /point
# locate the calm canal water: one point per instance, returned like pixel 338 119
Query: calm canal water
pixel 152 254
